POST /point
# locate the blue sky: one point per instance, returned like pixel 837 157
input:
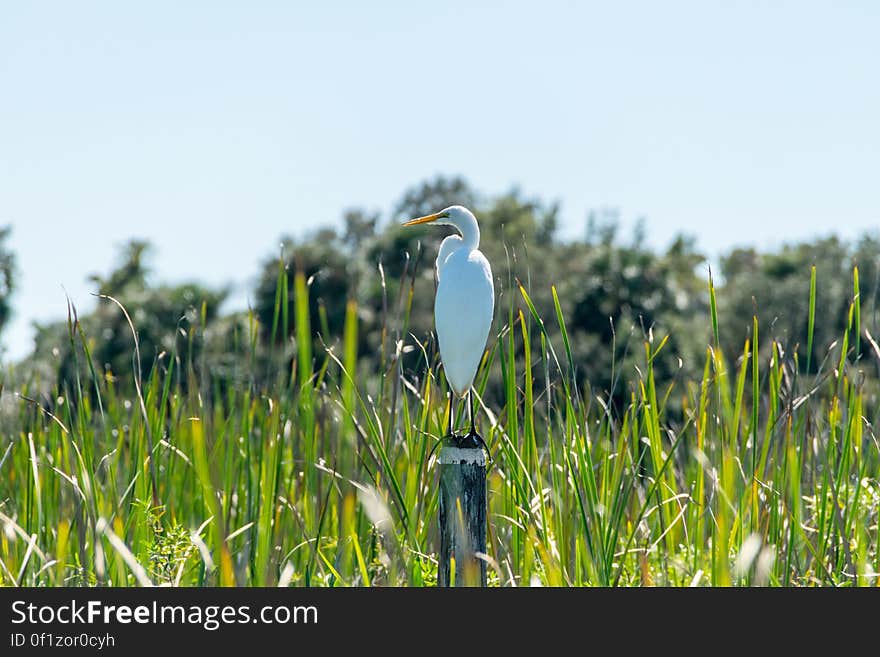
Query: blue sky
pixel 214 128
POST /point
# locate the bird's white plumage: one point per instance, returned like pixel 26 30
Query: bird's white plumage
pixel 463 313
pixel 465 299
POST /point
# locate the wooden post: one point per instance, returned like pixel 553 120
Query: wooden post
pixel 462 516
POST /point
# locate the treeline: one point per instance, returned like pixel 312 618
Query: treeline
pixel 614 292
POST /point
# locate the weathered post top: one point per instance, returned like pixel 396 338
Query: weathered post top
pixel 453 455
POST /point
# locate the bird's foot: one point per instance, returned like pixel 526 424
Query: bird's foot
pixel 472 440
pixel 449 440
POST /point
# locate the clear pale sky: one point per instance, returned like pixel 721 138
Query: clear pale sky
pixel 212 128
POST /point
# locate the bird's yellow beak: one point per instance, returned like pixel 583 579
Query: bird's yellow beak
pixel 426 219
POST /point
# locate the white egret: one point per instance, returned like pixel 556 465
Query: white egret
pixel 463 307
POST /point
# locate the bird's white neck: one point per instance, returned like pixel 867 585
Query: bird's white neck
pixel 470 231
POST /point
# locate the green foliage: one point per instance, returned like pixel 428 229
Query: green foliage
pixel 170 551
pixel 300 484
pixel 646 426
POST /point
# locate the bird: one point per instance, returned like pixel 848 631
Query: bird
pixel 463 308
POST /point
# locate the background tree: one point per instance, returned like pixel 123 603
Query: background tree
pixel 615 290
pixel 7 277
pixel 623 294
pixel 776 286
pixel 169 319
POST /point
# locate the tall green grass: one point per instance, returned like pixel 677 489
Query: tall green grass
pixel 757 475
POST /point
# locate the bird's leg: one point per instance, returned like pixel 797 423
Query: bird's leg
pixel 473 439
pixel 471 404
